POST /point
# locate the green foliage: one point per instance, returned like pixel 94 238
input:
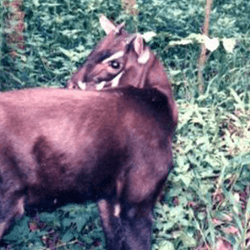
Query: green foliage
pixel 207 195
pixel 58 34
pixel 69 227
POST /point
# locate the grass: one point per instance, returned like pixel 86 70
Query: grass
pixel 206 201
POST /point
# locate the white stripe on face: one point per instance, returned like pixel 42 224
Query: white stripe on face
pixel 81 85
pixel 117 55
pixel 100 85
pixel 116 80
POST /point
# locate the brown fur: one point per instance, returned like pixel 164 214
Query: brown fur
pixel 148 74
pixel 113 147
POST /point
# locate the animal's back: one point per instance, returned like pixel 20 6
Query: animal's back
pixel 59 146
pixel 58 135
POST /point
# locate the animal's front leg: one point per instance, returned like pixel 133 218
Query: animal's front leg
pixel 111 222
pixel 137 224
pixel 127 227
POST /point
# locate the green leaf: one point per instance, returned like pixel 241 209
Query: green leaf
pixel 68 236
pixel 188 240
pixel 229 44
pixel 166 245
pixel 80 222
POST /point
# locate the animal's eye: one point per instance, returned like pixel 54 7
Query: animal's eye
pixel 114 64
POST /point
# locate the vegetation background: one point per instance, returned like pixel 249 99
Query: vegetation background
pixel 205 204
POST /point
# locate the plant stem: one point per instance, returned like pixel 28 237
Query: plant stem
pixel 202 58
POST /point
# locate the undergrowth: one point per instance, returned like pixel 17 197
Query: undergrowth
pixel 206 202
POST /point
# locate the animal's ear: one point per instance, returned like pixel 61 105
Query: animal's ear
pixel 152 75
pixel 141 50
pixel 109 26
pixel 138 61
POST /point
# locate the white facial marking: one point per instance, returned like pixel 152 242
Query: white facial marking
pixel 144 57
pixel 116 80
pixel 81 85
pixel 100 85
pixel 117 210
pixel 114 57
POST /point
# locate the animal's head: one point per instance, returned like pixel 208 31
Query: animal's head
pixel 105 61
pixel 121 59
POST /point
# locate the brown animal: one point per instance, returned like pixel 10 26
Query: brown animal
pixel 113 147
pixel 121 59
pixel 112 48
